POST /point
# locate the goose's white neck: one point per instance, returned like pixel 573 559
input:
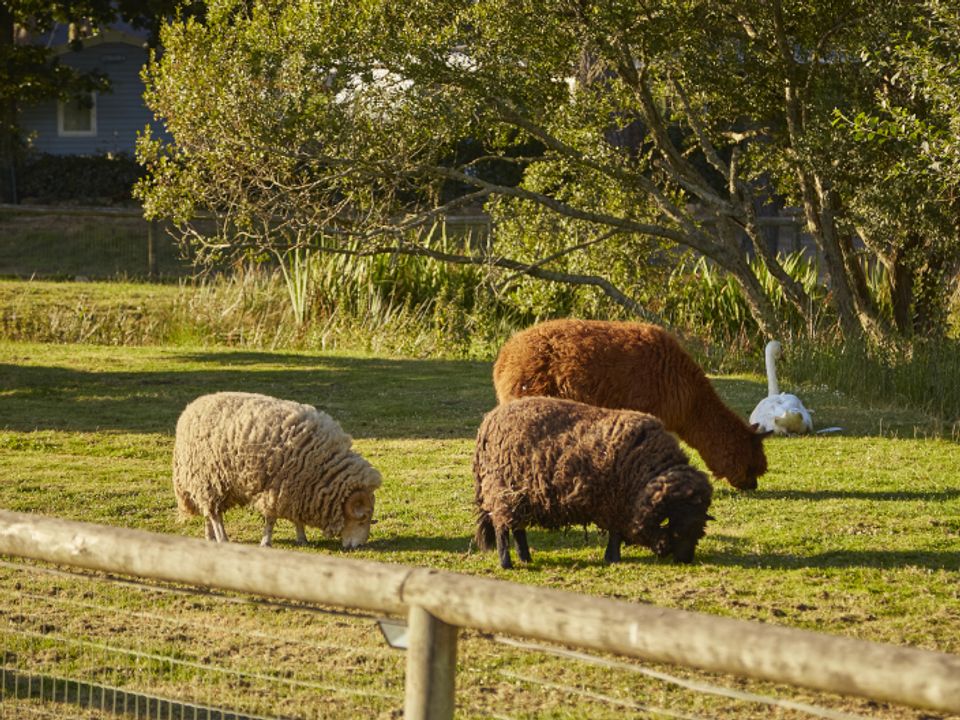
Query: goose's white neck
pixel 771 354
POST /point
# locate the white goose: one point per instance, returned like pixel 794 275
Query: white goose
pixel 781 413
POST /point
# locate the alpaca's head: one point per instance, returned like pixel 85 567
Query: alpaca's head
pixel 743 459
pixel 670 516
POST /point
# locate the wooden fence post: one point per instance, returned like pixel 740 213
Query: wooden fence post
pixel 431 667
pixel 152 249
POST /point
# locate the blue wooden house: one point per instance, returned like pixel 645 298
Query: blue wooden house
pixel 104 123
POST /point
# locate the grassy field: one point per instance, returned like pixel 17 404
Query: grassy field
pixel 855 533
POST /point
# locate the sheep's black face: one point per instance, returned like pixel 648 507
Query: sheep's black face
pixel 671 513
pixel 680 534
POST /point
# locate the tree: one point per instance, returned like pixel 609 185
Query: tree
pixel 659 125
pixel 29 73
pixel 909 136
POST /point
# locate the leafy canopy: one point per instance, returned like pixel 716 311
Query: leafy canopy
pixel 600 135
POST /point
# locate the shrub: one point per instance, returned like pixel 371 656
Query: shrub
pixel 79 179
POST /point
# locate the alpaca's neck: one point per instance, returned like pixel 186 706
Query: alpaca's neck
pixel 711 429
pixel 772 387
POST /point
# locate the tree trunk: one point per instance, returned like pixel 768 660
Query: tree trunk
pixel 820 222
pixel 901 293
pixel 736 264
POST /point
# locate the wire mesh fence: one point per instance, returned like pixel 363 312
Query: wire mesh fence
pixel 86 243
pixel 110 243
pixel 90 645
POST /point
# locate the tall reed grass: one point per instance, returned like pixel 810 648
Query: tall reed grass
pixel 709 304
pixel 406 306
pixel 920 374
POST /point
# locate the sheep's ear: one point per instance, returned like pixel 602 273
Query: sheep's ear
pixel 359 504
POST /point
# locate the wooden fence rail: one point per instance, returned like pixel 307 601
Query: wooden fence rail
pixel 437 603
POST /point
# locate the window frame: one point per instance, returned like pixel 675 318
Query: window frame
pixel 92 132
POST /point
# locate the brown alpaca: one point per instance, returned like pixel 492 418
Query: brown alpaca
pixel 638 367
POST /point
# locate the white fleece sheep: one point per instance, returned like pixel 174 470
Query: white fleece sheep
pixel 289 460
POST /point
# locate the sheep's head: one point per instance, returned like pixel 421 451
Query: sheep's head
pixel 671 514
pixel 357 517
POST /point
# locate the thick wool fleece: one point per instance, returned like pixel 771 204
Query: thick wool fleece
pixel 635 366
pixel 554 463
pixel 291 460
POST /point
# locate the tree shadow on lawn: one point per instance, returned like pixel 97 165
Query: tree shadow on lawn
pixel 829 409
pixel 861 559
pixel 371 398
pixel 734 552
pixel 565 550
pixel 872 495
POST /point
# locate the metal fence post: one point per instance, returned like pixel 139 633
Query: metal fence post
pixel 431 667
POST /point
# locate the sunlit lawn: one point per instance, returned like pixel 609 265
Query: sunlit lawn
pixel 855 532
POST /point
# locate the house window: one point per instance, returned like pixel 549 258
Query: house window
pixel 77 116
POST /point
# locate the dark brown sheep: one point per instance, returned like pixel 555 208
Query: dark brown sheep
pixel 635 366
pixel 555 463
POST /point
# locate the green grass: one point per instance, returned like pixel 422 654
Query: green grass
pixel 855 533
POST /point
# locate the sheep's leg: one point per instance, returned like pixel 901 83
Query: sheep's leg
pixel 301 534
pixel 612 553
pixel 267 532
pixel 523 550
pixel 503 548
pixel 219 531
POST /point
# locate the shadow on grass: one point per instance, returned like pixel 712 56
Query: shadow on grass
pixel 855 418
pixel 872 495
pixel 419 543
pixel 72 693
pixel 863 559
pixel 371 398
pixel 554 558
pixel 555 550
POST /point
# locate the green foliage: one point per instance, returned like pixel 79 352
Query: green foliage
pixel 899 164
pixel 709 303
pixel 302 124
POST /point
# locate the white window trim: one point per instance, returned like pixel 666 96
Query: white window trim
pixel 78 133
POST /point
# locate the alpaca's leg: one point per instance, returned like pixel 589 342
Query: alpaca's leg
pixel 301 534
pixel 267 531
pixel 211 533
pixel 503 548
pixel 219 531
pixel 612 553
pixel 523 550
